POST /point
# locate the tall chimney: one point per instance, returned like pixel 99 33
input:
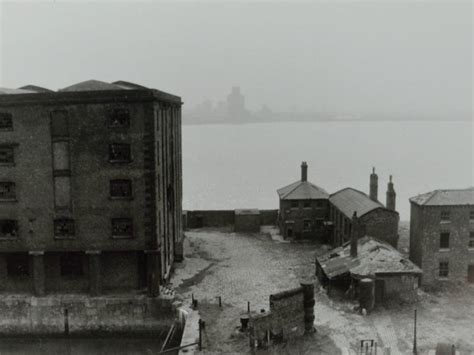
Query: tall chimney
pixel 391 195
pixel 304 171
pixel 355 230
pixel 374 185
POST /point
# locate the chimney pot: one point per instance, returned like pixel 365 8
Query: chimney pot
pixel 374 185
pixel 304 171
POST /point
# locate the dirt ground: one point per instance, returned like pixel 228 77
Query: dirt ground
pixel 243 268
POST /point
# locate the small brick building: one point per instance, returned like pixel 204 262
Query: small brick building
pixel 90 188
pixel 303 209
pixel 442 235
pixel 308 211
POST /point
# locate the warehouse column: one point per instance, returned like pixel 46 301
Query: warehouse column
pixel 38 272
pixel 94 272
pixel 153 272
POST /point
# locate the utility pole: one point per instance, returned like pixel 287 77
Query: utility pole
pixel 415 351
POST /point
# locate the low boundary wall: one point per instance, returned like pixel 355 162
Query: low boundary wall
pixel 223 218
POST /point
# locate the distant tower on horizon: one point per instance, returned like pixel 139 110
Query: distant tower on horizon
pixel 236 105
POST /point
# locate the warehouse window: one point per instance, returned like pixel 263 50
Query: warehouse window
pixel 6 155
pixel 7 190
pixel 64 228
pixel 8 228
pixel 294 204
pixel 119 153
pixel 122 228
pixel 120 188
pixel 445 216
pixel 119 118
pixel 18 265
pixel 444 241
pixel 59 123
pixel 307 225
pixel 71 265
pixel 307 204
pixel 471 216
pixel 443 269
pixel 6 121
pixel 471 240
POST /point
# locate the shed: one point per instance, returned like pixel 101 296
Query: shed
pixel 247 220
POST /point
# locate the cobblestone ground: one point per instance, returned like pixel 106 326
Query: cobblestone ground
pixel 248 268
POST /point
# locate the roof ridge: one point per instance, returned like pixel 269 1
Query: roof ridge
pixel 289 192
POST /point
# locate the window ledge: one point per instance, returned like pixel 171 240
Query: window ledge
pixel 8 238
pixel 122 237
pixel 444 250
pixel 470 249
pixel 64 238
pixel 115 198
pixel 8 200
pixel 7 164
pixel 445 222
pixel 120 161
pixel 443 278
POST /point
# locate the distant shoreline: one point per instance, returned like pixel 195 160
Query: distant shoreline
pixel 323 121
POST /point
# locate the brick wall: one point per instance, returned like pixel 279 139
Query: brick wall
pixel 425 238
pixel 382 224
pixel 223 218
pixel 314 210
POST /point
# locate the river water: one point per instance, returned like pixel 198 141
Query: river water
pixel 240 166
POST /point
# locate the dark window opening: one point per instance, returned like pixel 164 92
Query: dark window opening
pixel 18 265
pixel 8 228
pixel 444 241
pixel 6 121
pixel 122 228
pixel 6 155
pixel 307 204
pixel 445 216
pixel 64 228
pixel 319 222
pixel 7 190
pixel 119 118
pixel 294 204
pixel 443 269
pixel 471 240
pixel 59 123
pixel 119 152
pixel 71 265
pixel 121 188
pixel 471 216
pixel 306 225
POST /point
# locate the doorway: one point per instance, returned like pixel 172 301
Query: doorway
pixel 470 274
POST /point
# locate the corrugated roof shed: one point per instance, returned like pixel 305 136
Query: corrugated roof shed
pixel 373 257
pixel 302 190
pixel 350 200
pixel 452 197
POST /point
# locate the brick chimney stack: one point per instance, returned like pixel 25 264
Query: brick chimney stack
pixel 304 171
pixel 355 230
pixel 391 195
pixel 374 185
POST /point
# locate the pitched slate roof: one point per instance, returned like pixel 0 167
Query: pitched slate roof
pixel 91 85
pixel 6 91
pixel 302 190
pixel 452 197
pixel 373 257
pixel 350 200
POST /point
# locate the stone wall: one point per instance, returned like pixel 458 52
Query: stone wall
pixel 223 218
pixel 399 287
pixel 83 315
pixel 382 224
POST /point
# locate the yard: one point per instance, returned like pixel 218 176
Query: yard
pixel 243 268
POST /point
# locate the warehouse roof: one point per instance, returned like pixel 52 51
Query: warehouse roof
pixel 452 197
pixel 350 200
pixel 302 190
pixel 373 257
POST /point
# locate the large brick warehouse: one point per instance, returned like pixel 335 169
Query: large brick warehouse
pixel 90 188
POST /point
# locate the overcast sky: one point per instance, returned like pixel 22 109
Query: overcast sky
pixel 387 58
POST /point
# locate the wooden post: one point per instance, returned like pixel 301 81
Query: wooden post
pixel 415 350
pixel 200 335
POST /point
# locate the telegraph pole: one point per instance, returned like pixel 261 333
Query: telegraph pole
pixel 415 351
